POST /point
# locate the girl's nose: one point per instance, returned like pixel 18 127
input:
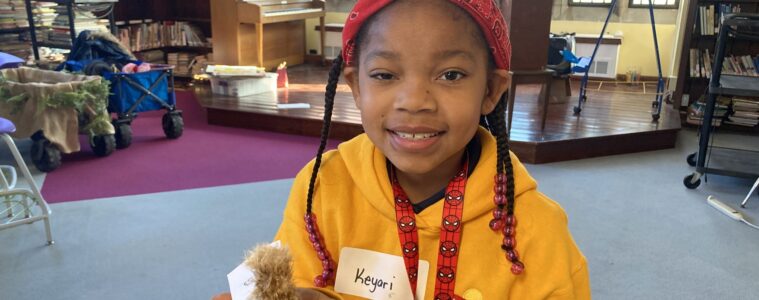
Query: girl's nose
pixel 415 97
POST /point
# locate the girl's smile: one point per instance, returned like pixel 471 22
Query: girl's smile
pixel 422 81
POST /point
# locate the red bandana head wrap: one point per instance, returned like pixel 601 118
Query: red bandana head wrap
pixel 485 12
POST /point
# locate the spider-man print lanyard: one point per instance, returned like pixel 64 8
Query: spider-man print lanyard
pixel 450 234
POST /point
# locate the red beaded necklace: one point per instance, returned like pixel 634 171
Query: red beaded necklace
pixel 450 235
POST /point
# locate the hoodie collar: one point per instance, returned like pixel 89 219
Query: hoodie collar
pixel 366 166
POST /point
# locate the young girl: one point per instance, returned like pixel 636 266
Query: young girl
pixel 426 189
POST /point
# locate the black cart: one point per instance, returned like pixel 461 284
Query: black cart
pixel 726 161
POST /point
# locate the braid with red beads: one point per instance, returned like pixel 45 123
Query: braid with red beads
pixel 504 221
pixel 329 267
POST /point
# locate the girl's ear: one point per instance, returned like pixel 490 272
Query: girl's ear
pixel 499 82
pixel 351 78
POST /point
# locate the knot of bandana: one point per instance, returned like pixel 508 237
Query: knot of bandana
pixel 485 12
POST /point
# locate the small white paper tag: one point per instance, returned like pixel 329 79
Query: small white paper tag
pixel 242 280
pixel 293 106
pixel 377 275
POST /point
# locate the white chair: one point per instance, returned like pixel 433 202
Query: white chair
pixel 20 203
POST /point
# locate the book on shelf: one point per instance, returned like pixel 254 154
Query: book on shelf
pixel 697 109
pixel 152 56
pixel 187 64
pixel 711 17
pixel 701 64
pixel 151 35
pixel 744 112
pixel 13 16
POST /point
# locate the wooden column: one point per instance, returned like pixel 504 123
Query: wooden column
pixel 529 25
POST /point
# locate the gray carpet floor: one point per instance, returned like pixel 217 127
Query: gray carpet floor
pixel 644 234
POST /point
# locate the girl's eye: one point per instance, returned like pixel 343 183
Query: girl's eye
pixel 383 76
pixel 452 76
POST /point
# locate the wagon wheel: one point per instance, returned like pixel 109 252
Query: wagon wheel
pixel 123 135
pixel 173 125
pixel 45 156
pixel 103 145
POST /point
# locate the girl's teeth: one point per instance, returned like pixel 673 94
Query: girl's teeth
pixel 416 136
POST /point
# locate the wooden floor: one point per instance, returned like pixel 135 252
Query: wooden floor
pixel 616 119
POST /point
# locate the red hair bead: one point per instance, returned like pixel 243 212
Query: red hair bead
pixel 512 255
pixel 313 237
pixel 511 220
pixel 321 254
pixel 509 242
pixel 499 188
pixel 517 268
pixel 317 246
pixel 498 214
pixel 320 282
pixel 500 178
pixel 509 231
pixel 499 199
pixel 326 265
pixel 496 224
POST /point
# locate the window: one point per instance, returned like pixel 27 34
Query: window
pixel 602 3
pixel 657 3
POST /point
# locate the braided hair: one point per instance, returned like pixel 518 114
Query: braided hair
pixel 314 235
pixel 503 220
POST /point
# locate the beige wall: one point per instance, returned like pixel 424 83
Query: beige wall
pixel 637 49
pixel 636 52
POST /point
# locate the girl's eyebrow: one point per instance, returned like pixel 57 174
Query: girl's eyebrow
pixel 389 55
pixel 448 54
pixel 442 55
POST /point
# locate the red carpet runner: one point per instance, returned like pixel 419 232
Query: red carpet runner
pixel 204 156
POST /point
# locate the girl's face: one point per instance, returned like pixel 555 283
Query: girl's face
pixel 422 83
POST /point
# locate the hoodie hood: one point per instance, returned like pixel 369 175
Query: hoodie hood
pixel 366 166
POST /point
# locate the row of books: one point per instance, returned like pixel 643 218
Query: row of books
pixel 151 35
pixel 701 64
pixel 187 64
pixel 13 14
pixel 44 13
pixel 60 31
pixel 743 112
pixel 16 44
pixel 734 111
pixel 697 109
pixel 711 17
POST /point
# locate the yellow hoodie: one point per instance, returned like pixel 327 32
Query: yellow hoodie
pixel 353 201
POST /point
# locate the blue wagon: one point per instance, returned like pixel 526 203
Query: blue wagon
pixel 132 93
pixel 98 53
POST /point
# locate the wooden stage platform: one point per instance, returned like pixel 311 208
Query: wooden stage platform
pixel 613 121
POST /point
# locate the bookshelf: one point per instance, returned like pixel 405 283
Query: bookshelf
pixel 697 56
pixel 146 16
pixel 57 26
pixel 14 28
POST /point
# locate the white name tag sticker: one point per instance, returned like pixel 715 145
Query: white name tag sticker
pixel 376 275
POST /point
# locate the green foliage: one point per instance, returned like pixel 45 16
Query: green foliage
pixel 92 94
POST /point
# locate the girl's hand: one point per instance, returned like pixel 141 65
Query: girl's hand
pixel 303 294
pixel 311 294
pixel 225 296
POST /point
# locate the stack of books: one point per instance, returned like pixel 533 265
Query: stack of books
pixel 13 14
pixel 13 17
pixel 697 110
pixel 13 44
pixel 44 13
pixel 152 57
pixel 141 35
pixel 711 17
pixel 84 20
pixel 181 62
pixel 701 64
pixel 744 112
